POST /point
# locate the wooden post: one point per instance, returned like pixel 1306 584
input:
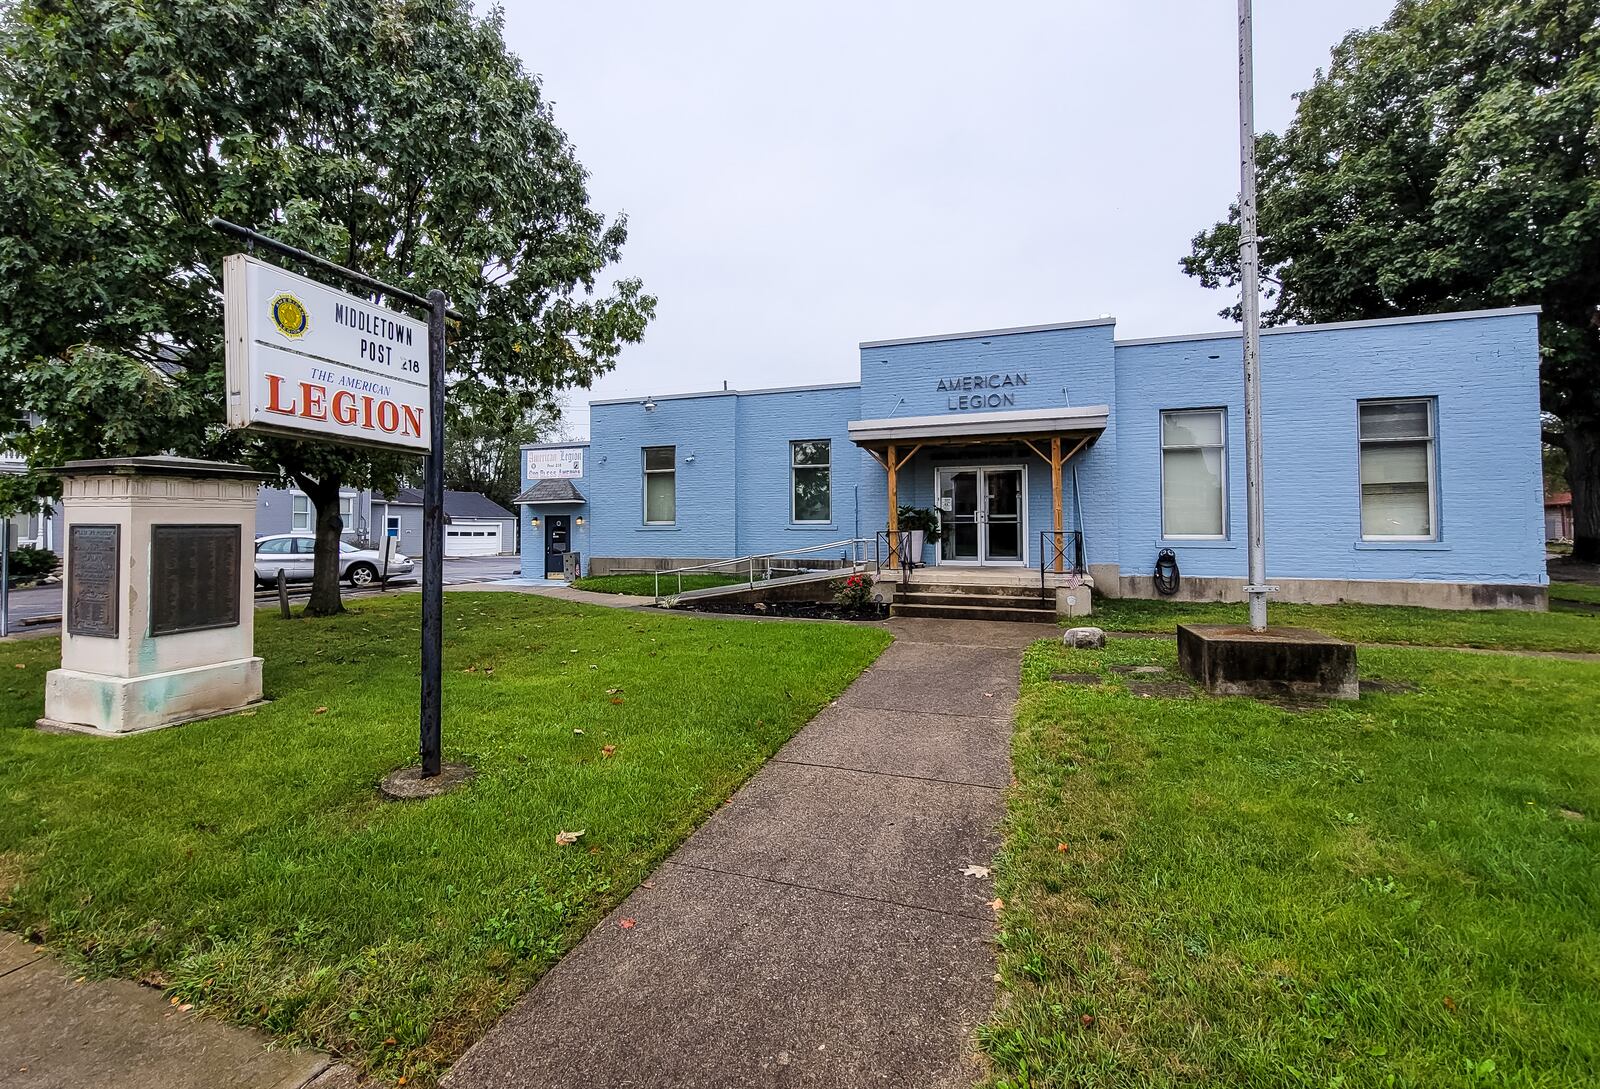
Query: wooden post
pixel 1055 495
pixel 894 511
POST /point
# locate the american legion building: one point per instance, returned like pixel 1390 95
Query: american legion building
pixel 1402 462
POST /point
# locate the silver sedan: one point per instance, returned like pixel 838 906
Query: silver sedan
pixel 295 555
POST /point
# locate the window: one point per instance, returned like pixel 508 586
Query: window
pixel 810 480
pixel 303 516
pixel 1398 492
pixel 660 485
pixel 277 546
pixel 1194 449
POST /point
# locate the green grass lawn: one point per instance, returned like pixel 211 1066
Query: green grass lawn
pixel 1402 891
pixel 1585 593
pixel 1506 629
pixel 247 864
pixel 645 585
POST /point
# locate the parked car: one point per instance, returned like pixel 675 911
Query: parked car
pixel 295 555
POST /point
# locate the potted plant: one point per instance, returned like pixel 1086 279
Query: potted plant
pixel 919 527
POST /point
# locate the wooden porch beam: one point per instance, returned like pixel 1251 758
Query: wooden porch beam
pixel 893 466
pixel 1055 493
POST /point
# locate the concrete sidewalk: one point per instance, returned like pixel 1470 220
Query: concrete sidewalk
pixel 59 1033
pixel 818 930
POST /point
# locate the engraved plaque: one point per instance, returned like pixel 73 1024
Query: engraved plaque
pixel 194 577
pixel 93 560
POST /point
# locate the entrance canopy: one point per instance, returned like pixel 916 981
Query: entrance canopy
pixel 971 428
pixel 1057 435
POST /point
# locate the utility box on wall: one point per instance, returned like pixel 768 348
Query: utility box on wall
pixel 158 618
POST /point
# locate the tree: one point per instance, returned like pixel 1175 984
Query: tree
pixel 398 137
pixel 482 450
pixel 1447 160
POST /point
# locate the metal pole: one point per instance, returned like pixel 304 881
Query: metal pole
pixel 433 538
pixel 5 577
pixel 1250 315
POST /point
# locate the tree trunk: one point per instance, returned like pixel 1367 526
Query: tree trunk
pixel 1583 475
pixel 324 496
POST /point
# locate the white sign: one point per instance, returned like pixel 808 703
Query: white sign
pixel 565 463
pixel 304 358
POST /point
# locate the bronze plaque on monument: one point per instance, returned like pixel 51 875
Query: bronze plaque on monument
pixel 194 577
pixel 93 559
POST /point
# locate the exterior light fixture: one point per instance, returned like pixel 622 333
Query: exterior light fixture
pixel 649 405
pixel 580 519
pixel 534 521
pixel 689 459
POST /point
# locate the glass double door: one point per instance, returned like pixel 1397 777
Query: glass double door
pixel 982 513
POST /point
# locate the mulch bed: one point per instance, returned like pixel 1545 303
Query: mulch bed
pixel 801 610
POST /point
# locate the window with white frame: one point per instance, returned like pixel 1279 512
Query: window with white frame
pixel 660 485
pixel 303 516
pixel 1194 483
pixel 1399 491
pixel 811 480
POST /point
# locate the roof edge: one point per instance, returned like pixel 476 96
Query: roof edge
pixel 725 393
pixel 1315 327
pixel 977 334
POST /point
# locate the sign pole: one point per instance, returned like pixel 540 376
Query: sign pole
pixel 433 538
pixel 1250 316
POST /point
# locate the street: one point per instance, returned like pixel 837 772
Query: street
pixel 39 608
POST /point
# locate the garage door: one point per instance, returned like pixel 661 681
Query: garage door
pixel 472 539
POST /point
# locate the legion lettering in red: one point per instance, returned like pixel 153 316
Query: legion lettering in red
pixel 310 401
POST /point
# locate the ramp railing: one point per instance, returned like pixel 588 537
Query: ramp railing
pixel 850 554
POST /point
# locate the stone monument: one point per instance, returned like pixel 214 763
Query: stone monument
pixel 158 612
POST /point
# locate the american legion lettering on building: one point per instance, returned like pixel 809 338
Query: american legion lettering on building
pixel 1402 460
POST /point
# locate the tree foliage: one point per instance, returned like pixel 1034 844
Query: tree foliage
pixel 398 137
pixel 1447 160
pixel 483 450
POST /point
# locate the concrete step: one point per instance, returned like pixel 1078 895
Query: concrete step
pixel 1027 590
pixel 972 612
pixel 1034 600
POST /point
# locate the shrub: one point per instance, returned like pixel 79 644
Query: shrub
pixel 29 563
pixel 854 594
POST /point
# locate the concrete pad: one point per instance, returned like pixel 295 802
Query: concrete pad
pixel 856 833
pixel 939 679
pixel 725 981
pixel 952 748
pixel 1010 635
pixel 56 1033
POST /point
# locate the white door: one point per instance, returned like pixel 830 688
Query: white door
pixel 472 539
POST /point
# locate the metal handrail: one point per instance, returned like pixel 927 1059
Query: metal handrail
pixel 895 542
pixel 1054 545
pixel 853 546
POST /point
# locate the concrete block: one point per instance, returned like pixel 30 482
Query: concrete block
pixel 1232 660
pixel 97 704
pixel 1074 601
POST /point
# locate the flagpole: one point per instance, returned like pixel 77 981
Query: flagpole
pixel 1250 315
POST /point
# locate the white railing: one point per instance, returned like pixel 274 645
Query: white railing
pixel 852 551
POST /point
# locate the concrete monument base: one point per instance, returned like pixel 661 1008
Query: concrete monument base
pixel 93 703
pixel 159 616
pixel 1232 660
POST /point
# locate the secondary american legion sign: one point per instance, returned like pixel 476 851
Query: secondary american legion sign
pixel 305 358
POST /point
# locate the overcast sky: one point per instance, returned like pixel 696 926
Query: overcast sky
pixel 802 177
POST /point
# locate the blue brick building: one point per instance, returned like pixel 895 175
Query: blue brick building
pixel 1402 461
